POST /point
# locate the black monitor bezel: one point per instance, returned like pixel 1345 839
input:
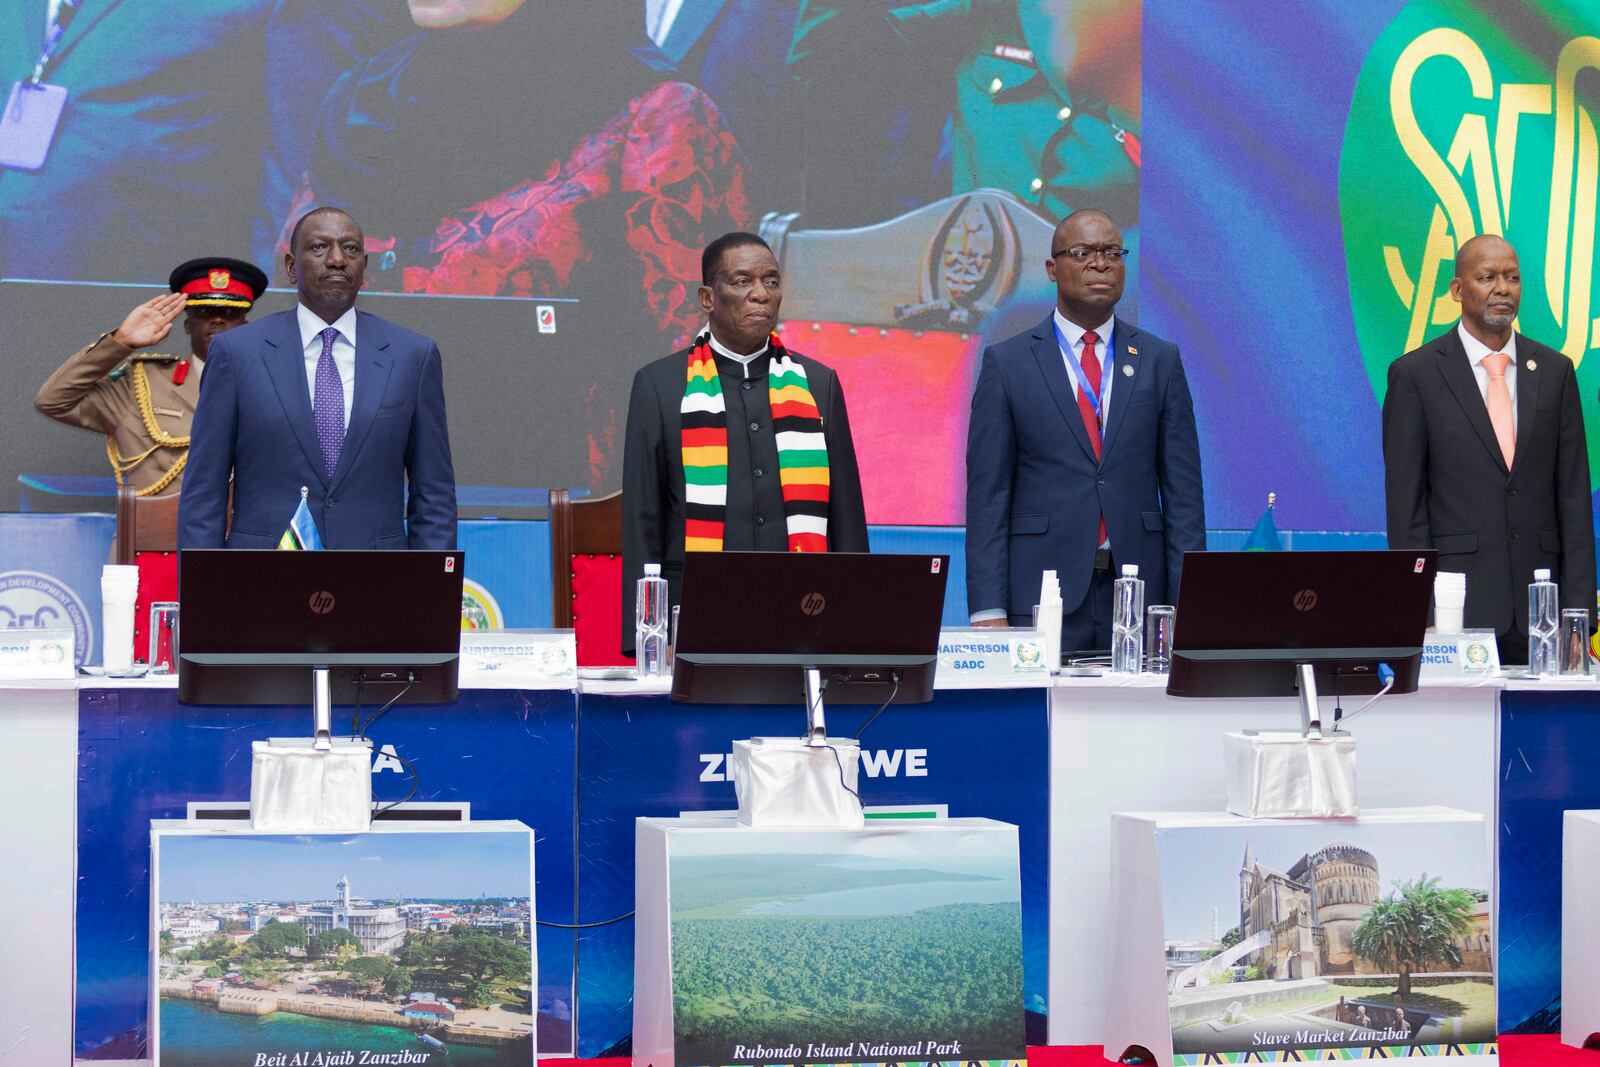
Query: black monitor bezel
pixel 359 671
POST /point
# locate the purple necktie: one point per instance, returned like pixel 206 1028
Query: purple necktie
pixel 327 404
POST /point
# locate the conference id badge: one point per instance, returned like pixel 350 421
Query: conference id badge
pixel 29 123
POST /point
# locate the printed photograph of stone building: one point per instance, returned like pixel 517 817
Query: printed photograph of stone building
pixel 1304 917
pixel 1374 934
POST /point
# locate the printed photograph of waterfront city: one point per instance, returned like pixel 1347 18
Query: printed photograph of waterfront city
pixel 271 945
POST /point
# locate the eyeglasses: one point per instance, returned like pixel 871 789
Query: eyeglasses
pixel 1084 253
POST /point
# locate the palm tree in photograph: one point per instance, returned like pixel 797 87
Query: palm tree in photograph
pixel 1417 925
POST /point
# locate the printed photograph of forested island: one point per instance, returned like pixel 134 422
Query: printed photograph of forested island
pixel 837 948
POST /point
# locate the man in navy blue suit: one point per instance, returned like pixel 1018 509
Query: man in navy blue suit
pixel 1082 454
pixel 324 397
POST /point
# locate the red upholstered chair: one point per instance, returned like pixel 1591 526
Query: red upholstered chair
pixel 147 538
pixel 586 574
pixel 900 310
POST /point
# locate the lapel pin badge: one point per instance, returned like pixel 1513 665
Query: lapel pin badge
pixel 1533 364
pixel 1127 370
pixel 1132 351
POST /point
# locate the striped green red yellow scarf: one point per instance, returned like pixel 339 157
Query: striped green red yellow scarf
pixel 802 451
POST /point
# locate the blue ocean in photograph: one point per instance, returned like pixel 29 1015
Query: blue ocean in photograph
pixel 890 899
pixel 196 1035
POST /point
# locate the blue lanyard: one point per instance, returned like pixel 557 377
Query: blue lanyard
pixel 52 37
pixel 1077 368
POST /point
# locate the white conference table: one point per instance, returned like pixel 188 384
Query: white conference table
pixel 1115 745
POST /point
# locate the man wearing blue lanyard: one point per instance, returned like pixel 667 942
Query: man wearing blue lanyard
pixel 114 120
pixel 1082 453
pixel 33 107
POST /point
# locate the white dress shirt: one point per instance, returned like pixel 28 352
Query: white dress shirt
pixel 744 361
pixel 1476 350
pixel 1074 335
pixel 344 352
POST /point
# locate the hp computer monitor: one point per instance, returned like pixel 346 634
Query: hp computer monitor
pixel 255 625
pixel 751 624
pixel 1248 621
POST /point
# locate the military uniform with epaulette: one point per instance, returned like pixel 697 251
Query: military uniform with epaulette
pixel 1016 124
pixel 144 402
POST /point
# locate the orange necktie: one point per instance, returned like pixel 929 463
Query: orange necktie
pixel 1498 399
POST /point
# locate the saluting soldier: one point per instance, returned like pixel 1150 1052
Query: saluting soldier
pixel 144 401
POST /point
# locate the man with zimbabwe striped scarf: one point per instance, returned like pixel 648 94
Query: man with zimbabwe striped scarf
pixel 735 442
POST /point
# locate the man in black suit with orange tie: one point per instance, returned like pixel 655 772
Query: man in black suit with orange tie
pixel 1484 453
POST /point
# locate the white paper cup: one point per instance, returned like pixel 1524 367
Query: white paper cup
pixel 119 589
pixel 1449 600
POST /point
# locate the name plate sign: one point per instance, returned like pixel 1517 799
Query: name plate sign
pixel 518 657
pixel 26 655
pixel 981 655
pixel 1471 654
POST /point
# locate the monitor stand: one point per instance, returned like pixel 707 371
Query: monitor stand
pixel 816 717
pixel 806 781
pixel 1310 714
pixel 331 793
pixel 321 709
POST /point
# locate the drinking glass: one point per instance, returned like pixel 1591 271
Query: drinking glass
pixel 1160 620
pixel 163 636
pixel 1574 643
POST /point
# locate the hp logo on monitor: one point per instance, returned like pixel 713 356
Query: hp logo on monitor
pixel 321 602
pixel 813 604
pixel 1305 600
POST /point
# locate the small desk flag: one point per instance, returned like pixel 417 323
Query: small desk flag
pixel 1264 538
pixel 302 532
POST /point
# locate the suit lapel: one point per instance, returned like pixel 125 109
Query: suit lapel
pixel 372 378
pixel 1530 379
pixel 1125 362
pixel 286 366
pixel 1457 373
pixel 1047 351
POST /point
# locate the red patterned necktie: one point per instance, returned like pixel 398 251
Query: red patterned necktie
pixel 1091 421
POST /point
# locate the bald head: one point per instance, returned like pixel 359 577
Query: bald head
pixel 1488 286
pixel 1481 245
pixel 1068 228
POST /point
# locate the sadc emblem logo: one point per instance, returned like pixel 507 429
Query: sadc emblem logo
pixel 1473 118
